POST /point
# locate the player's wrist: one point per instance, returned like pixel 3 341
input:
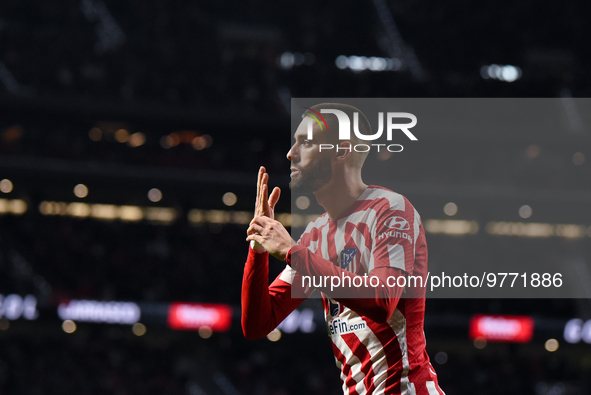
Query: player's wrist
pixel 256 247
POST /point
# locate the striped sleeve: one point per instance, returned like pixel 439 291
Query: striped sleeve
pixel 394 235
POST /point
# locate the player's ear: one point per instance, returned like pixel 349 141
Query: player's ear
pixel 344 150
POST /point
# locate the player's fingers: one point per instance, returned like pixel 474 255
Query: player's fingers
pixel 254 228
pixel 265 179
pixel 259 182
pixel 274 198
pixel 260 191
pixel 255 237
pixel 260 177
pixel 260 220
pixel 261 206
pixel 265 199
pixel 256 203
pixel 254 221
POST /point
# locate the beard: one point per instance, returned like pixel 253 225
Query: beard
pixel 312 178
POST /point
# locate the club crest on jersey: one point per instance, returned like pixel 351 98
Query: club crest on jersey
pixel 349 260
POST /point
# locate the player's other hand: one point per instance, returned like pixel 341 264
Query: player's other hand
pixel 271 235
pixel 265 204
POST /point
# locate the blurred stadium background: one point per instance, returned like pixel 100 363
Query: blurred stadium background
pixel 130 137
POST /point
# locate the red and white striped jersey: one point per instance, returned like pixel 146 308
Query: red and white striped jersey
pixel 382 229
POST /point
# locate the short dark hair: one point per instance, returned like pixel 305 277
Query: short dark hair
pixel 333 125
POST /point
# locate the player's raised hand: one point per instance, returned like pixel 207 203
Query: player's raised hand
pixel 265 204
pixel 271 235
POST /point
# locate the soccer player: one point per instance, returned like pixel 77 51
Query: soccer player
pixel 376 329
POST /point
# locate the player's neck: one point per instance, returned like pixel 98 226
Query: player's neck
pixel 339 194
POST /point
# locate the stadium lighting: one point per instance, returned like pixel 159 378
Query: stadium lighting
pixel 551 345
pixel 570 231
pixel 6 186
pixel 104 211
pixel 510 73
pixel 451 227
pixel 497 72
pixel 162 215
pixel 288 60
pixel 155 195
pixel 136 139
pixel 342 62
pixel 530 229
pixel 358 63
pixel 525 211
pixel 577 330
pixel 79 209
pixel 13 307
pixel 205 332
pixel 361 63
pixel 130 213
pixel 69 326
pixel 196 216
pixel 81 191
pixel 138 329
pixel 229 199
pixel 275 335
pixel 95 134
pixel 122 136
pixel 166 142
pixel 199 143
pixel 302 202
pixel 19 206
pixel 480 342
pixel 450 209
